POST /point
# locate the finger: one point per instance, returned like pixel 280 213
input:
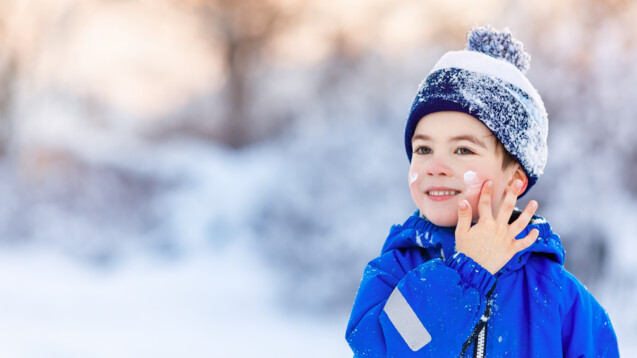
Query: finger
pixel 464 217
pixel 527 241
pixel 523 220
pixel 508 204
pixel 484 205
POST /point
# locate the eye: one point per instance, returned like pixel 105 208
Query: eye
pixel 464 151
pixel 422 150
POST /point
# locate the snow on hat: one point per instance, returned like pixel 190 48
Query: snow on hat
pixel 487 81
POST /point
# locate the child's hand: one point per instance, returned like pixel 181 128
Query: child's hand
pixel 491 241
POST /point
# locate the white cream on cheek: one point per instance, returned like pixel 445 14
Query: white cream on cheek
pixel 412 178
pixel 472 181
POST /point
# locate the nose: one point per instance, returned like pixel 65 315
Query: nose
pixel 437 167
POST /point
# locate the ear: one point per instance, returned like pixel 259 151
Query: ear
pixel 521 175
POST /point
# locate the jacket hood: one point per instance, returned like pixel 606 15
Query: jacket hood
pixel 439 242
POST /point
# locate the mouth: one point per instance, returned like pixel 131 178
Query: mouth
pixel 440 194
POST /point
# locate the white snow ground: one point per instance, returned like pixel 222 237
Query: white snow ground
pixel 205 306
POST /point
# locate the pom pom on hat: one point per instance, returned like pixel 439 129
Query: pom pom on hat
pixel 487 81
pixel 499 45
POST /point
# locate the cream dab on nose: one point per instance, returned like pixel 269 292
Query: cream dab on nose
pixel 412 178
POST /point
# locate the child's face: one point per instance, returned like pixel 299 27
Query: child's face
pixel 454 154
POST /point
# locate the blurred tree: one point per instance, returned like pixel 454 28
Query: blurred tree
pixel 240 30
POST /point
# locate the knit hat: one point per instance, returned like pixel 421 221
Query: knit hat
pixel 487 81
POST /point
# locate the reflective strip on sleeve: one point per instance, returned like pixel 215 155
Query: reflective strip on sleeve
pixel 403 317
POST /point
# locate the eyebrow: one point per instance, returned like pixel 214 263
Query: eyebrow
pixel 470 138
pixel 473 139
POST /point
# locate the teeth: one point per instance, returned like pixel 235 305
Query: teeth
pixel 440 193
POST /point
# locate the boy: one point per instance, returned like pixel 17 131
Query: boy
pixel 468 274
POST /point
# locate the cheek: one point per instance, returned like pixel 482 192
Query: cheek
pixel 473 181
pixel 414 186
pixel 413 177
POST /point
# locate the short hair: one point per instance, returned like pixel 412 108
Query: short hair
pixel 507 159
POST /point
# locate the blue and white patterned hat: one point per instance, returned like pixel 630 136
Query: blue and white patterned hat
pixel 487 81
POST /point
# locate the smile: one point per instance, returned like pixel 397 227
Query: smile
pixel 441 193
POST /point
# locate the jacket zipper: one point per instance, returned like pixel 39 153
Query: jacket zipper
pixel 480 350
pixel 479 335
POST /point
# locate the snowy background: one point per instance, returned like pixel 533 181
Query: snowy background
pixel 209 178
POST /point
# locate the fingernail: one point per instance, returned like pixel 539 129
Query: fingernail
pixel 518 184
pixel 463 204
pixel 533 204
pixel 489 183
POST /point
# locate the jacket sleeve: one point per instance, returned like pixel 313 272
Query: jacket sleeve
pixel 405 307
pixel 586 329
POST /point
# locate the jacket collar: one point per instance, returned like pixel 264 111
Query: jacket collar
pixel 439 241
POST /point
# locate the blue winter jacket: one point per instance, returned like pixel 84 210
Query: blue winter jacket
pixel 421 299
